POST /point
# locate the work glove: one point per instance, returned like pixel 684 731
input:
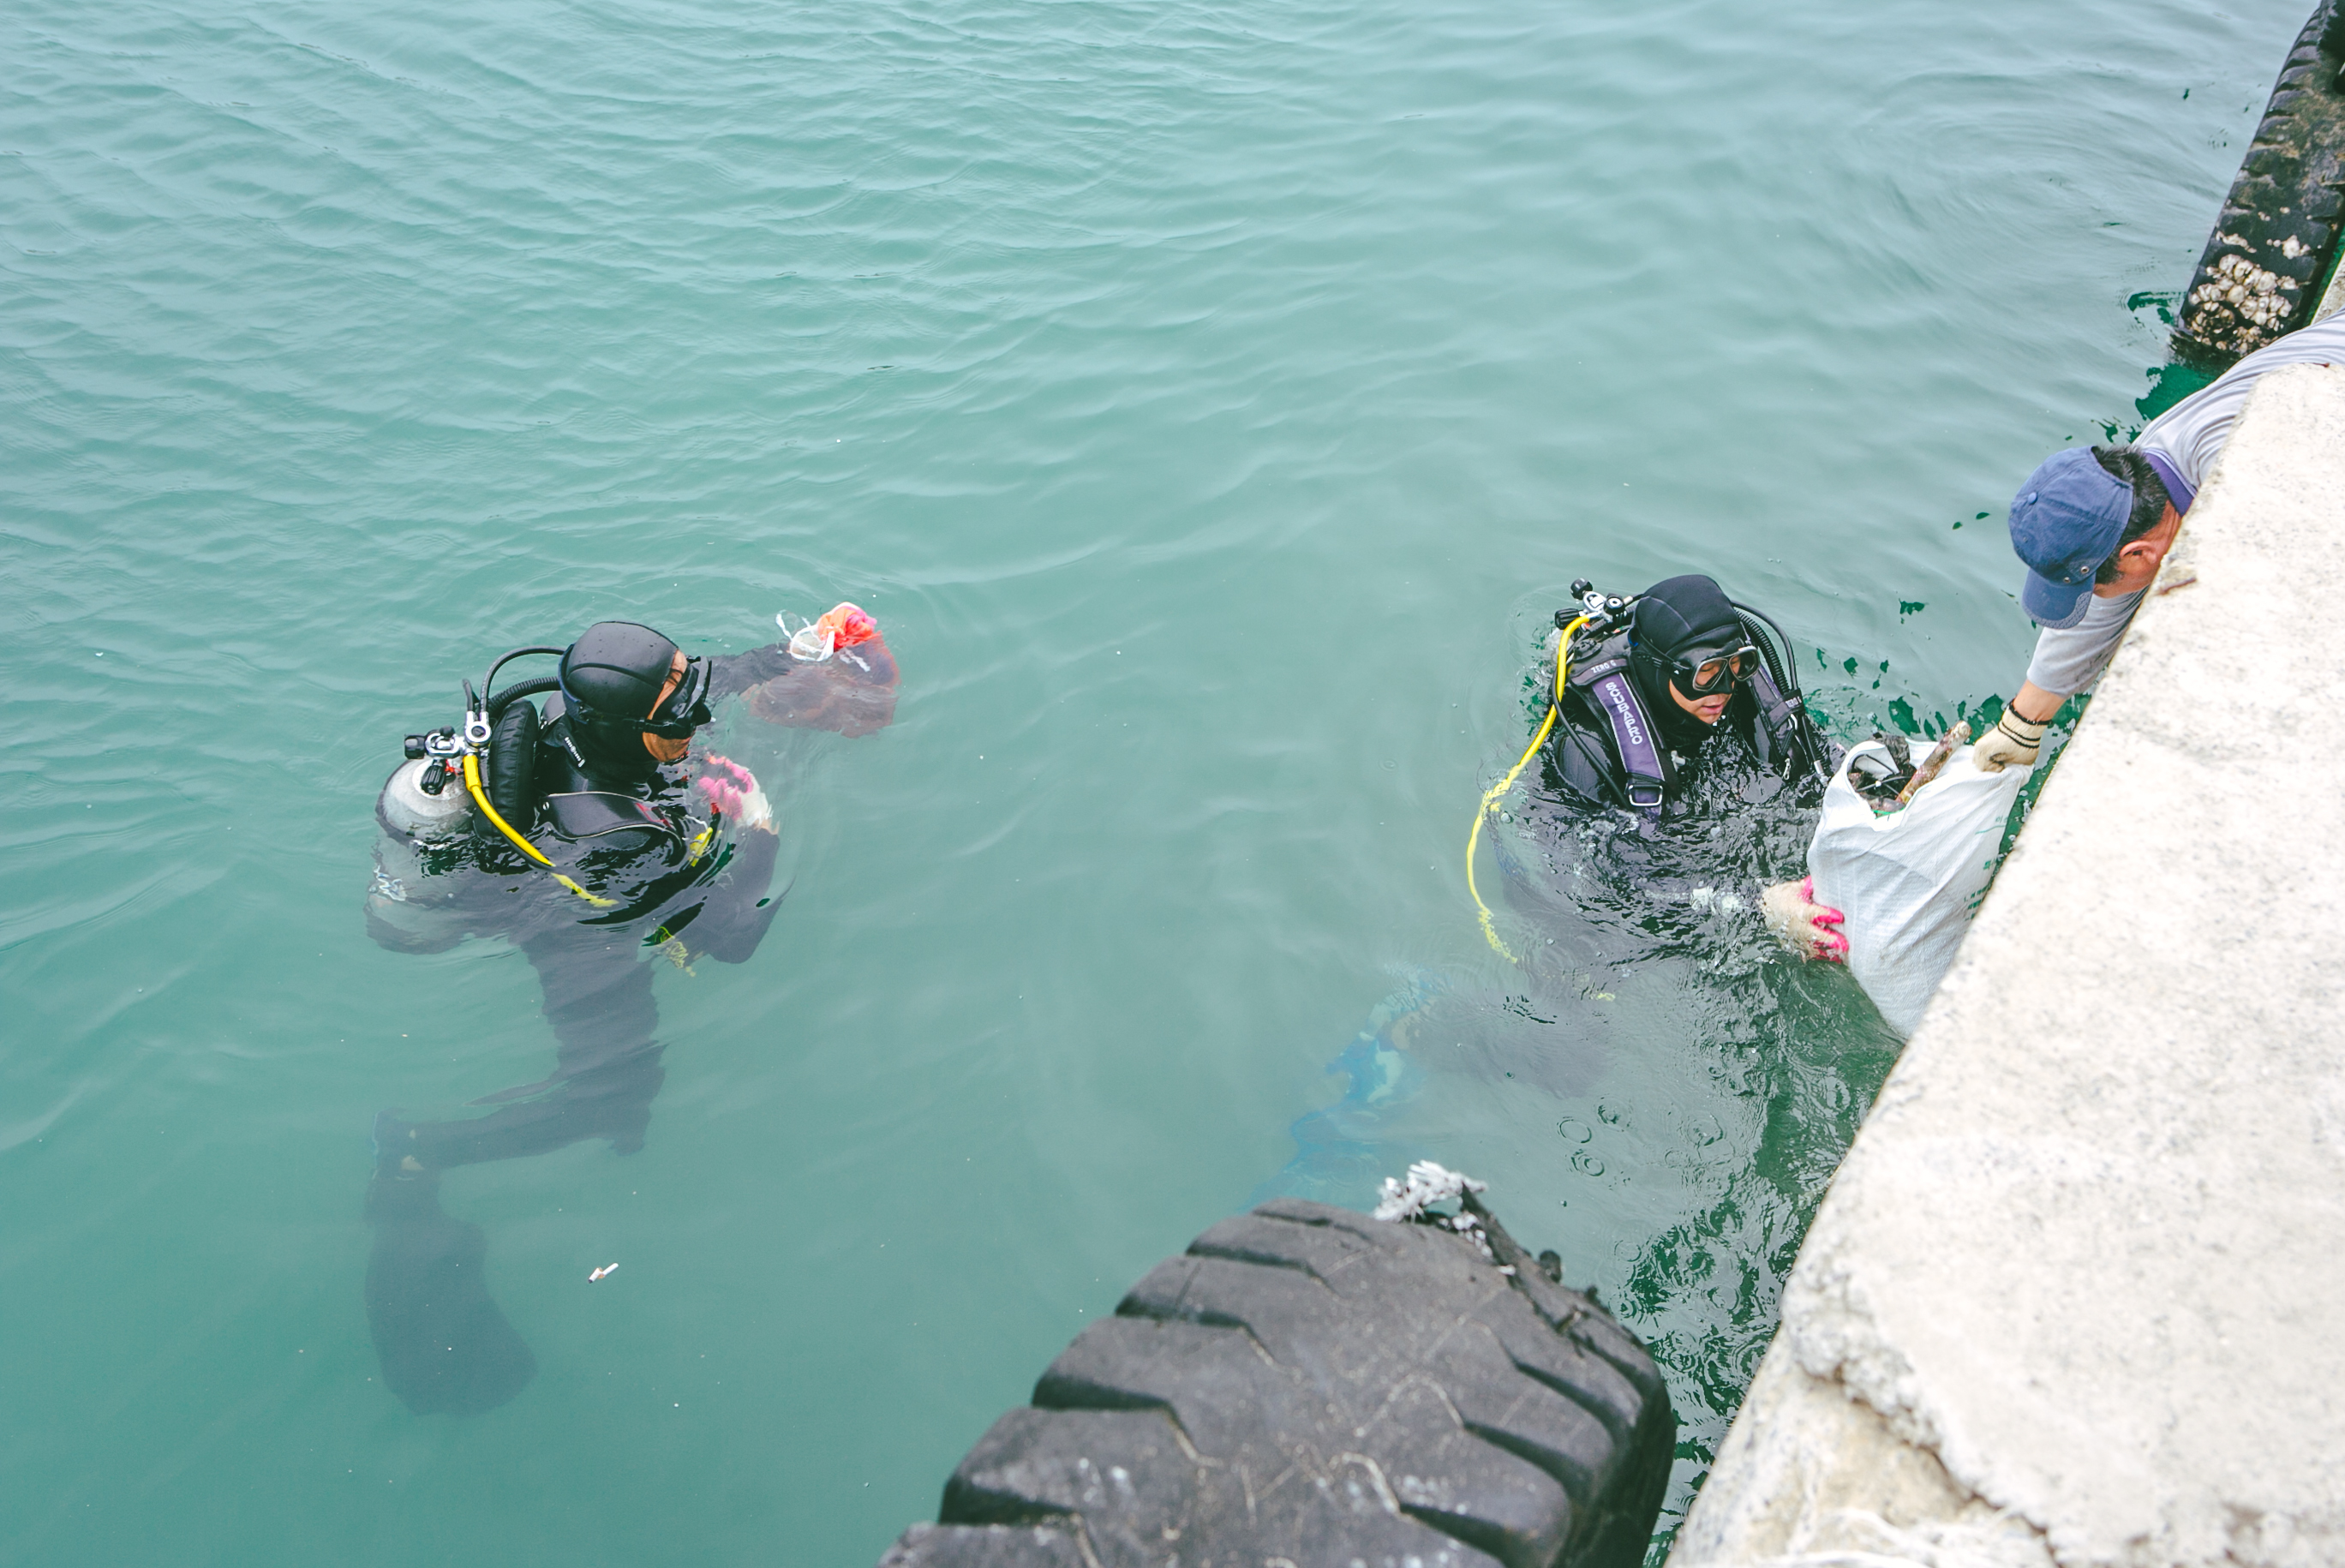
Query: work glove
pixel 1804 925
pixel 736 793
pixel 2013 740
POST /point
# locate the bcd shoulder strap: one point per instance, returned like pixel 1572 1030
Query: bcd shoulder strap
pixel 1632 733
pixel 1779 726
pixel 1601 673
pixel 1783 730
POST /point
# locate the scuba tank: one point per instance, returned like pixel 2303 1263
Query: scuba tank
pixel 427 821
pixel 431 814
pixel 427 799
pixel 477 778
pixel 481 779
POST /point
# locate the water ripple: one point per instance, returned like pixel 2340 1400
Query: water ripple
pixel 1212 402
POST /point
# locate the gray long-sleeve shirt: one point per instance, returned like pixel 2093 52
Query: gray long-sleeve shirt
pixel 2183 443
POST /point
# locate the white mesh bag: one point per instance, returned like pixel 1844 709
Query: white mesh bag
pixel 1909 881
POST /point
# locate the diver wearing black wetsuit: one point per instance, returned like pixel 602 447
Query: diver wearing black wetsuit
pixel 634 865
pixel 1639 710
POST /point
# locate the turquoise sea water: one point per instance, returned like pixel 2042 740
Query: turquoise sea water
pixel 1212 402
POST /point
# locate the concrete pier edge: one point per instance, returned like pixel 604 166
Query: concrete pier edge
pixel 2075 1295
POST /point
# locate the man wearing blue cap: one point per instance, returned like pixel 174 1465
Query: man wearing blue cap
pixel 2093 524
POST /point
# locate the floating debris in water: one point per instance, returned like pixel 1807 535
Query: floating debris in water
pixel 1428 1184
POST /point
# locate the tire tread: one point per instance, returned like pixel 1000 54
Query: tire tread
pixel 1307 1383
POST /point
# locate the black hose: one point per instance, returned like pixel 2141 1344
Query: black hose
pixel 1787 681
pixel 490 680
pixel 499 701
pixel 520 689
pixel 1775 649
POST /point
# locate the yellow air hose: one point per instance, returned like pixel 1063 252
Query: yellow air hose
pixel 481 799
pixel 1498 792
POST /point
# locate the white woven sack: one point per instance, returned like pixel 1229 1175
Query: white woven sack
pixel 1909 881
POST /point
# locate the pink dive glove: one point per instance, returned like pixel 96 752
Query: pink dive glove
pixel 736 793
pixel 1806 927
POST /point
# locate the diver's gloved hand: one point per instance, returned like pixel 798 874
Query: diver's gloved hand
pixel 2013 740
pixel 1805 926
pixel 739 796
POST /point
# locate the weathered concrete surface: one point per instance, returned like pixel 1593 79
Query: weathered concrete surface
pixel 2078 1293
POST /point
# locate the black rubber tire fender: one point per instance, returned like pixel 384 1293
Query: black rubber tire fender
pixel 2275 242
pixel 1310 1385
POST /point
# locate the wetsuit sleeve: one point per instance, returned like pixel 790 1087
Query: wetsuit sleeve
pixel 737 913
pixel 729 675
pixel 852 692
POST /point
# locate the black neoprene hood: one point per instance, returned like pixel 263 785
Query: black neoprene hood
pixel 616 668
pixel 1676 617
pixel 1681 615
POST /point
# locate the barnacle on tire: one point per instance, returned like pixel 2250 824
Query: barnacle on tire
pixel 2275 242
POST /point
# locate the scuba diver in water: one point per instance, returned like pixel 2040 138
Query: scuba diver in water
pixel 1678 746
pixel 1653 681
pixel 1652 691
pixel 576 836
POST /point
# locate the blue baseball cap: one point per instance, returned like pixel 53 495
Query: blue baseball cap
pixel 2065 522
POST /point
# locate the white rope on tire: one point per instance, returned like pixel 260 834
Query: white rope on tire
pixel 1428 1184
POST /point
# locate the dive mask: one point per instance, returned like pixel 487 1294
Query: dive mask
pixel 685 709
pixel 1706 674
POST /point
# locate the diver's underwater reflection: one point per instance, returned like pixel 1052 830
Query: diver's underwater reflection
pixel 444 1345
pixel 1671 1085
